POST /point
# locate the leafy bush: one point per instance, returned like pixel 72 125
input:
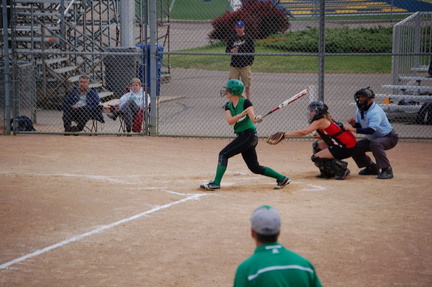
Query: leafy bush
pixel 262 19
pixel 337 40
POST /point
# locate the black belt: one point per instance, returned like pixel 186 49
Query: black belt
pixel 246 132
pixel 390 133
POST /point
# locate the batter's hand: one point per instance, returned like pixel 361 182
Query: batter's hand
pixel 258 119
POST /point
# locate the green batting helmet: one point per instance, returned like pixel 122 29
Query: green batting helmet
pixel 235 87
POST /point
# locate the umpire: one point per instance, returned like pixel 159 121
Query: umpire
pixel 372 121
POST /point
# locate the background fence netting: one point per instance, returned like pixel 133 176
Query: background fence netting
pixel 178 50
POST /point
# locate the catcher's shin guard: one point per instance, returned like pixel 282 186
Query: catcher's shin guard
pixel 315 147
pixel 341 168
pixel 325 167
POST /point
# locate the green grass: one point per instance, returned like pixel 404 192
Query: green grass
pixel 282 64
pixel 202 10
pixel 198 9
pixel 337 38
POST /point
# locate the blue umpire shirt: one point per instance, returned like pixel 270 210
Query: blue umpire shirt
pixel 376 119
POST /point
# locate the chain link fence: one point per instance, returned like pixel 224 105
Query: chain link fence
pixel 179 53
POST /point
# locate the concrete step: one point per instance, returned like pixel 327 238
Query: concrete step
pixel 41 14
pixel 34 39
pixel 52 61
pixel 25 28
pixel 95 85
pixel 74 79
pixel 65 69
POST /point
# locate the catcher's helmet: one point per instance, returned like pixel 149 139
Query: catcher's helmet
pixel 235 87
pixel 318 106
pixel 366 92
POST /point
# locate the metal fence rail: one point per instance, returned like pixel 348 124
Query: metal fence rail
pixel 185 99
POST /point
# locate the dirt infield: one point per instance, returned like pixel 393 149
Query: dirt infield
pixel 127 211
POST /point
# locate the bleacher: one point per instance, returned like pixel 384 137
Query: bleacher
pixel 411 85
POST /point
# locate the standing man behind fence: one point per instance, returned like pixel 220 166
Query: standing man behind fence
pixel 240 67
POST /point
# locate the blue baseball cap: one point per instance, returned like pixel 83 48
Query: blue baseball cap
pixel 240 24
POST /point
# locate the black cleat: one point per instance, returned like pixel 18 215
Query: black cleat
pixel 210 186
pixel 386 173
pixel 343 175
pixel 282 183
pixel 370 170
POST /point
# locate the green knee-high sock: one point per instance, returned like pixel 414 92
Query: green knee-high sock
pixel 220 171
pixel 271 173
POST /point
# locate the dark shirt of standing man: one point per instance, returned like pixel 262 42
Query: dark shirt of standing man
pixel 240 67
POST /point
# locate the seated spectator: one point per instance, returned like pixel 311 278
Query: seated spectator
pixel 80 106
pixel 130 104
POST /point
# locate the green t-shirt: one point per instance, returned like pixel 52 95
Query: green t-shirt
pixel 274 265
pixel 245 122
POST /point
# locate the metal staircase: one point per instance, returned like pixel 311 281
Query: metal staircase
pixel 63 39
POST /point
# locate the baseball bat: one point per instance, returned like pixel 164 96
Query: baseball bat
pixel 289 101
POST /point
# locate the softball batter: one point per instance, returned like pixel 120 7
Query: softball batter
pixel 240 113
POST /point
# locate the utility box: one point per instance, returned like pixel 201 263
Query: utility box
pixel 120 69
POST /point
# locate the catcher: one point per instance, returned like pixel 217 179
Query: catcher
pixel 240 113
pixel 333 143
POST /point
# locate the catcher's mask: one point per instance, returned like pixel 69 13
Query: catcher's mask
pixel 320 109
pixel 366 92
pixel 235 87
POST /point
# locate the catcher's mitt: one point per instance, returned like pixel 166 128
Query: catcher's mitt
pixel 276 138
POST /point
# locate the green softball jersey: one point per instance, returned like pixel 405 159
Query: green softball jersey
pixel 273 265
pixel 245 122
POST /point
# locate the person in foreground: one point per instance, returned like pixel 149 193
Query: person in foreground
pixel 333 143
pixel 240 113
pixel 80 106
pixel 372 121
pixel 272 264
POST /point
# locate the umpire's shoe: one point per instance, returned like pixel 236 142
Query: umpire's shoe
pixel 210 186
pixel 370 170
pixel 282 183
pixel 386 173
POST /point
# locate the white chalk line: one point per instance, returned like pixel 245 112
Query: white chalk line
pixel 102 178
pixel 97 230
pixel 314 188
